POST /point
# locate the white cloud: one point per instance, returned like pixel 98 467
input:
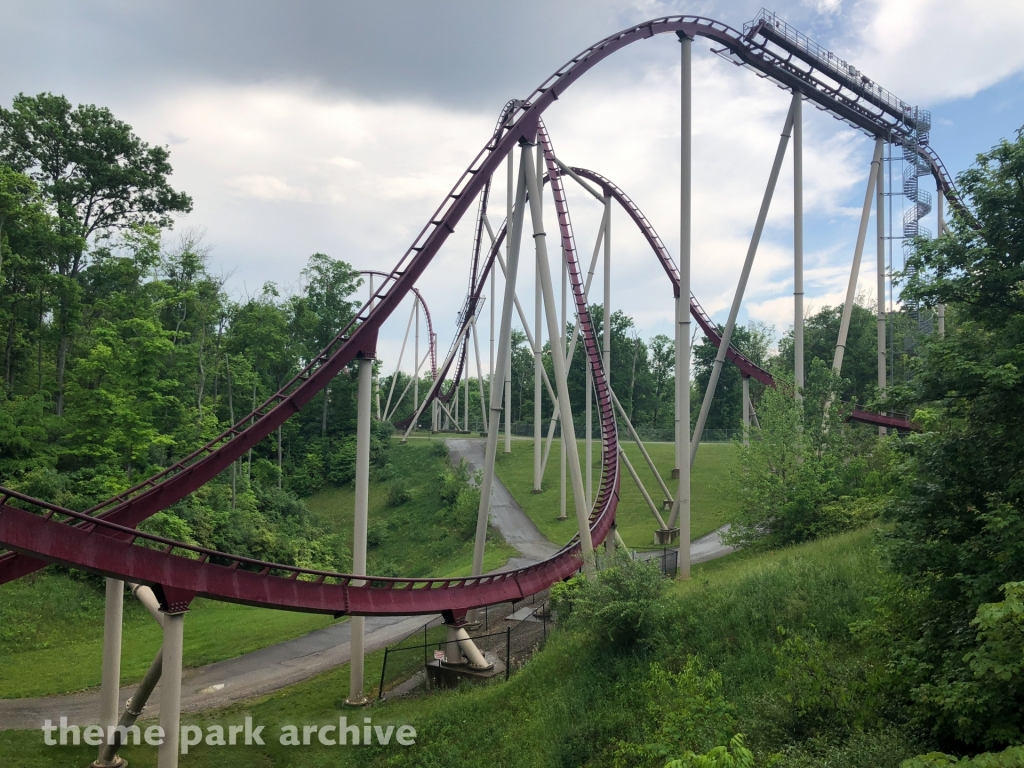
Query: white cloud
pixel 929 51
pixel 281 170
pixel 264 187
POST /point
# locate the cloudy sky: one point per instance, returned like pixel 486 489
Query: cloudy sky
pixel 339 126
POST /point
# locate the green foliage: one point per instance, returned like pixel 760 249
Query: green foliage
pixel 1000 657
pixel 733 756
pixel 806 472
pixel 682 712
pixel 624 608
pixel 958 519
pixel 822 693
pixel 398 492
pixel 459 499
pixel 726 412
pixel 376 535
pixel 1008 758
pixel 821 331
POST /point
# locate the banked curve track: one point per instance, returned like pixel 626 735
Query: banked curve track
pixel 748 368
pixel 104 540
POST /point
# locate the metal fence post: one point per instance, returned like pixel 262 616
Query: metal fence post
pixel 383 668
pixel 508 651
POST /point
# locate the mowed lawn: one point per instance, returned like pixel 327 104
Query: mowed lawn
pixel 51 634
pixel 714 494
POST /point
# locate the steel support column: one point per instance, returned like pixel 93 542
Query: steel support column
pixel 607 311
pixel 683 310
pixel 538 371
pixel 851 288
pixel 746 410
pixel 480 380
pixel 507 376
pixel 880 279
pixel 170 689
pixel 561 384
pixel 504 349
pixel 362 503
pixel 563 349
pixel 940 230
pixel 111 680
pixel 416 357
pixel 755 239
pixel 798 244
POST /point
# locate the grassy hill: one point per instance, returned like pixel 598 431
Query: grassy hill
pixel 762 627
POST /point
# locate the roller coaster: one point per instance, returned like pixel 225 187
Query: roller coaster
pixel 105 539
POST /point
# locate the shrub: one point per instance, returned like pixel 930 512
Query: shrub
pixel 1009 758
pixel 807 473
pixel 680 712
pixel 625 605
pixel 733 756
pixel 376 533
pixel 398 492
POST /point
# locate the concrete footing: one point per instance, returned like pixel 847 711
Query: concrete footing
pixel 665 537
pixel 440 674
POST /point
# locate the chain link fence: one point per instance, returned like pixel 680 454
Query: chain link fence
pixel 510 632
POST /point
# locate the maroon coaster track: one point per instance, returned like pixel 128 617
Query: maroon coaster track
pixel 104 540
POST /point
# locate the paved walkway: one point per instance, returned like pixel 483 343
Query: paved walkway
pixel 225 682
pixel 268 669
pixel 506 515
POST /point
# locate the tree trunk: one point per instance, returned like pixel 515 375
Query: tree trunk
pixel 62 356
pixel 323 419
pixel 202 371
pixel 39 353
pixel 8 378
pixel 231 416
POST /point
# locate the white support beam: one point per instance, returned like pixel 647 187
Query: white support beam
pixel 362 504
pixel 111 675
pixel 880 281
pixel 170 689
pixel 683 339
pixel 798 244
pixel 561 384
pixel 504 346
pixel 851 288
pixel 748 263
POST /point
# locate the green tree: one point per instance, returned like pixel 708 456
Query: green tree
pixel 329 285
pixel 96 175
pixel 821 332
pixel 957 525
pixel 754 341
pixel 808 473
